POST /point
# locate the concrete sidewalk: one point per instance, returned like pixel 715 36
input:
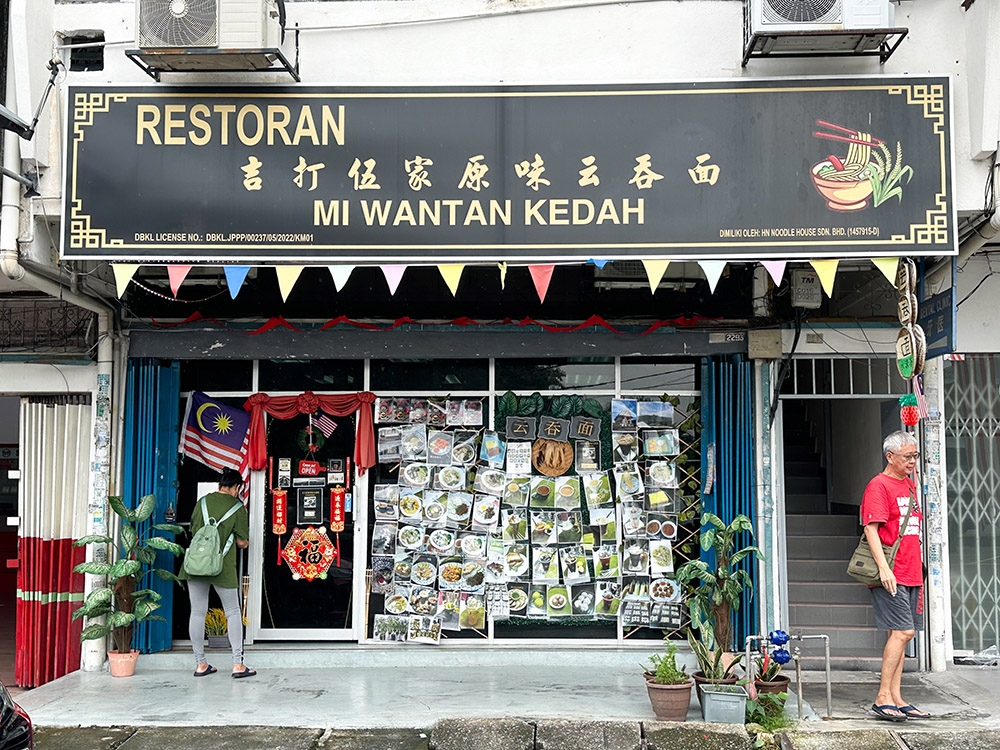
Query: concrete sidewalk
pixel 414 697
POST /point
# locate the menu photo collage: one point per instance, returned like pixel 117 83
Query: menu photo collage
pixel 645 444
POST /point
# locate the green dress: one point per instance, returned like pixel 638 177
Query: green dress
pixel 238 523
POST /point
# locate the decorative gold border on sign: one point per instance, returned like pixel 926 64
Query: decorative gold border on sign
pixel 936 220
pixel 81 234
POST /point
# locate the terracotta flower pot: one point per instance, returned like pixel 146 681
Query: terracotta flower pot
pixel 778 685
pixel 122 664
pixel 670 702
pixel 700 679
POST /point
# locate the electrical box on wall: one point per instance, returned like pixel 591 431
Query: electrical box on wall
pixel 764 343
pixel 807 292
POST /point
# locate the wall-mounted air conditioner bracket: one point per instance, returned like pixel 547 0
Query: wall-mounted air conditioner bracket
pixel 879 43
pixel 155 62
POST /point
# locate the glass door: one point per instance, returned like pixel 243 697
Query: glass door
pixel 306 587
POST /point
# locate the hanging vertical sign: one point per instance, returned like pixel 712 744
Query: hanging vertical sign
pixel 279 512
pixel 337 497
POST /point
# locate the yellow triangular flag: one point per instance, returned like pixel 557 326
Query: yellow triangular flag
pixel 287 276
pixel 827 272
pixel 503 274
pixel 452 274
pixel 654 272
pixel 123 275
pixel 888 267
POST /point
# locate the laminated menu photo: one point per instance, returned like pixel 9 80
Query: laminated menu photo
pixel 543 527
pixel 389 445
pixel 386 498
pixel 567 492
pixel 464 448
pixel 537 603
pixel 402 567
pixel 418 411
pixel 582 599
pixel 384 539
pixel 517 560
pixel 597 489
pixel 435 508
pixel 608 599
pixel 424 629
pixel 485 511
pixel 558 601
pixel 542 489
pixel 545 565
pixel 517 596
pixel 660 442
pixel 606 561
pixel 661 557
pixel 574 564
pixel 604 520
pixel 515 524
pixel 516 491
pixel 440 445
pixel 493 448
pixel 449 607
pixel 473 612
pixel 423 600
pixel 569 526
pixel 414 442
pixel 473 575
pixel 635 559
pixel 388 628
pixel 628 481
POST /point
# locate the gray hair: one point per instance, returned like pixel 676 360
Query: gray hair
pixel 898 440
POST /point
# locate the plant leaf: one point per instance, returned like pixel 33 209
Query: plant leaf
pixel 93 539
pixel 158 542
pixel 129 538
pixel 93 632
pixel 93 568
pixel 123 568
pixel 171 527
pixel 119 619
pixel 118 506
pixel 145 509
pixel 166 575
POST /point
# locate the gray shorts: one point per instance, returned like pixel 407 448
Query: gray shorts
pixel 904 611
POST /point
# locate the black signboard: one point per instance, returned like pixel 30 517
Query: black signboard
pixel 735 169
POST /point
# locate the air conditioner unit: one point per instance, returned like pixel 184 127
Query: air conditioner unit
pixel 207 24
pixel 776 16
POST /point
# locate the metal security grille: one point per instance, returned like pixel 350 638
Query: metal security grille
pixel 972 408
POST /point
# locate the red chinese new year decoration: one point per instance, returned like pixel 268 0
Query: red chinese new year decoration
pixel 908 411
pixel 279 511
pixel 286 407
pixel 309 468
pixel 309 553
pixel 338 496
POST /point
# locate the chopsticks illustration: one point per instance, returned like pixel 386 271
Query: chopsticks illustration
pixel 830 136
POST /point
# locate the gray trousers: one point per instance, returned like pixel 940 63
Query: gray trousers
pixel 230 598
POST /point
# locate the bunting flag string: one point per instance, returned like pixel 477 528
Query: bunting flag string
pixel 541 275
pixel 654 272
pixel 340 275
pixel 888 268
pixel 776 268
pixel 123 275
pixel 287 276
pixel 713 270
pixel 235 276
pixel 177 274
pixel 393 275
pixel 452 274
pixel 827 272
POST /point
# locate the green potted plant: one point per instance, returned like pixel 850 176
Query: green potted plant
pixel 715 666
pixel 217 628
pixel 719 590
pixel 668 686
pixel 125 598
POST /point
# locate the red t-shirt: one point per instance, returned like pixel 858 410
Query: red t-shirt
pixel 885 502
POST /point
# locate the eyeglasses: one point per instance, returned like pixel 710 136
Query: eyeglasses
pixel 909 456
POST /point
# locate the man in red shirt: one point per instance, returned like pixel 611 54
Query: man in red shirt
pixel 898 602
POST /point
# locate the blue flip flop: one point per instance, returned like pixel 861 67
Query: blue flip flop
pixel 912 712
pixel 210 670
pixel 883 712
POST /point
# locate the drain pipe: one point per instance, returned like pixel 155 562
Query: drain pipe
pixel 10 217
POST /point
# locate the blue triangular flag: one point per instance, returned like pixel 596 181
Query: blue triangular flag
pixel 599 262
pixel 235 276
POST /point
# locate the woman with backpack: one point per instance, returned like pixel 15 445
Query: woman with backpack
pixel 219 524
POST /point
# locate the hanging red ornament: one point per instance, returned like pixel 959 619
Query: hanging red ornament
pixel 279 512
pixel 338 496
pixel 908 411
pixel 309 553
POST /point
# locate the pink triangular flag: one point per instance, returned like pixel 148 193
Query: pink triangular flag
pixel 123 275
pixel 776 268
pixel 393 275
pixel 713 270
pixel 541 275
pixel 827 272
pixel 177 275
pixel 340 275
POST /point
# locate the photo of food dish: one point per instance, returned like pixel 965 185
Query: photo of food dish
pixel 597 489
pixel 583 600
pixel 473 545
pixel 402 569
pixel 629 482
pixel 567 493
pixel 473 613
pixel 459 506
pixel 633 520
pixel 439 444
pixel 518 599
pixel 450 574
pixel 434 511
pixel 423 573
pixel 473 575
pixel 416 475
pixel 515 525
pixel 463 453
pixel 486 511
pixel 516 559
pixel 410 506
pixel 450 478
pixel 636 558
pixel 541 493
pixel 441 540
pixel 606 561
pixel 395 604
pixel 661 556
pixel 411 537
pixel 663 474
pixel 491 481
pixel 558 602
pixel 423 601
pixel 515 492
pixel 664 590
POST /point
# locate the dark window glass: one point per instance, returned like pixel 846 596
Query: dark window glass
pixel 310 375
pixel 217 375
pixel 556 374
pixel 668 375
pixel 86 58
pixel 389 375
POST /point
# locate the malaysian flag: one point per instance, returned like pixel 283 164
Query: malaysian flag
pixel 325 424
pixel 215 434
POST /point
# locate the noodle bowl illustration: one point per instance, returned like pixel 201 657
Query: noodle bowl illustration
pixel 847 183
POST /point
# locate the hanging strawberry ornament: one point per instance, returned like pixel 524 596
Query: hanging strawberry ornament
pixel 908 412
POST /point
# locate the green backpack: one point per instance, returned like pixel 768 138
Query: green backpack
pixel 205 555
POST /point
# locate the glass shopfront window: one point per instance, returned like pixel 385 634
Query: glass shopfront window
pixel 445 375
pixel 298 375
pixel 556 374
